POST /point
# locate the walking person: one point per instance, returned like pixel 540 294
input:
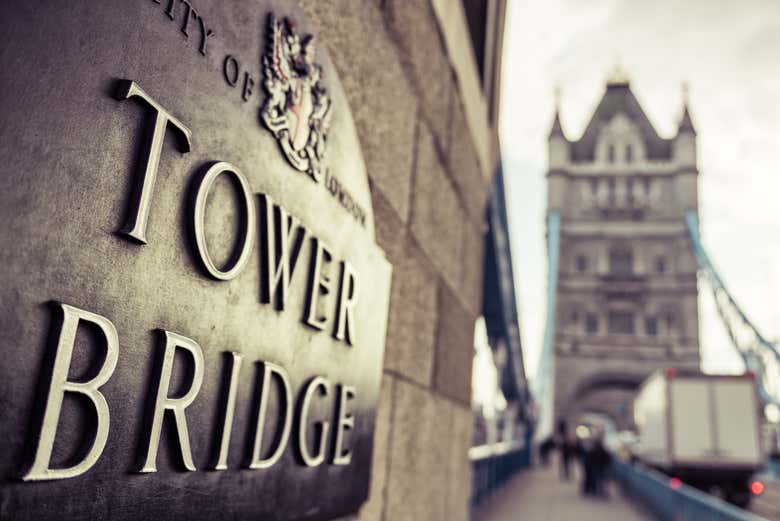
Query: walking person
pixel 568 453
pixel 601 463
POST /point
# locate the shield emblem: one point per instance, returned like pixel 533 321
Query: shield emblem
pixel 297 109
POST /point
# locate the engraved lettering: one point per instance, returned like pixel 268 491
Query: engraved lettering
pixel 282 238
pixel 319 284
pixel 138 218
pixel 348 295
pixel 248 226
pixel 59 385
pixel 323 427
pixel 346 420
pixel 230 70
pixel 269 370
pixel 190 12
pixel 249 83
pixel 163 403
pixel 171 10
pixel 230 410
pixel 205 34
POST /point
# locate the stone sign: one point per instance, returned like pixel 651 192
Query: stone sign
pixel 192 303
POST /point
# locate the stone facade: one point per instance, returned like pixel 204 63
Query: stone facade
pixel 424 136
pixel 627 291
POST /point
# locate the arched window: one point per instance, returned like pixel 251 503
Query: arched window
pixel 621 263
pixel 620 322
pixel 582 263
pixel 660 265
pixel 629 154
pixel 611 185
pixel 611 153
pixel 651 326
pixel 591 324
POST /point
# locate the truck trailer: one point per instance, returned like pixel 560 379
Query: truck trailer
pixel 701 429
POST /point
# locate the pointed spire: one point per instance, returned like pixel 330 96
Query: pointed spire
pixel 557 129
pixel 618 78
pixel 686 124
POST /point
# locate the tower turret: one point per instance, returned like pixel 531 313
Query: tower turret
pixel 685 140
pixel 558 159
pixel 684 154
pixel 558 144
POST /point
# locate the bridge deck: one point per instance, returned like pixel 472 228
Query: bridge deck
pixel 538 495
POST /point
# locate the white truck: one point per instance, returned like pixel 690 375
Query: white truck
pixel 701 429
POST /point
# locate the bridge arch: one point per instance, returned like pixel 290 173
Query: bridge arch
pixel 608 392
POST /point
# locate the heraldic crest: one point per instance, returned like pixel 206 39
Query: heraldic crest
pixel 297 109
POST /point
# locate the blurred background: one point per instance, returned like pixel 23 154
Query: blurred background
pixel 640 170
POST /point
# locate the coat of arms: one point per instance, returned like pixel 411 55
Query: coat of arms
pixel 297 109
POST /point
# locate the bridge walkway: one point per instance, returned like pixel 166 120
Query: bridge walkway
pixel 537 494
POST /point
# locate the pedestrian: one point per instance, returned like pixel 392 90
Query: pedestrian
pixel 601 463
pixel 544 450
pixel 588 477
pixel 568 452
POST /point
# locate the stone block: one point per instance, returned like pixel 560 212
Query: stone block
pixel 389 231
pixel 459 483
pixel 372 509
pixel 464 165
pixel 471 275
pixel 383 104
pixel 411 332
pixel 454 347
pixel 437 216
pixel 415 483
pixel 416 29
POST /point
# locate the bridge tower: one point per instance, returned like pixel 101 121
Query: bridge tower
pixel 627 298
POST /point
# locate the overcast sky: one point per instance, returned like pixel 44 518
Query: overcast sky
pixel 729 55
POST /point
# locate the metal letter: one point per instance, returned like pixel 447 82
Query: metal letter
pixel 249 83
pixel 268 370
pixel 230 410
pixel 348 295
pixel 59 385
pixel 319 283
pixel 230 78
pixel 346 421
pixel 138 218
pixel 199 221
pixel 282 237
pixel 163 403
pixel 189 13
pixel 324 426
pixel 205 34
pixel 171 11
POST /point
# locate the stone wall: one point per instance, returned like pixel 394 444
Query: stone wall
pixel 429 192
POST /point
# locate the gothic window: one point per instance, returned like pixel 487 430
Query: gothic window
pixel 621 322
pixel 651 326
pixel 611 191
pixel 629 154
pixel 591 324
pixel 582 263
pixel 621 263
pixel 611 153
pixel 660 265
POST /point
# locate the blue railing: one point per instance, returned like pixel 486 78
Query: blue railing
pixel 682 503
pixel 492 465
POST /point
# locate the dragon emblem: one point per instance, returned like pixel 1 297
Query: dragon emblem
pixel 297 109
